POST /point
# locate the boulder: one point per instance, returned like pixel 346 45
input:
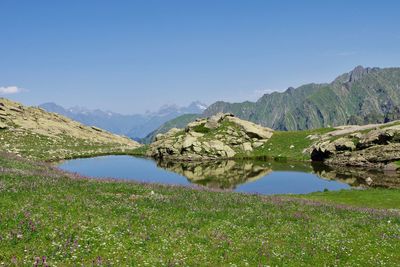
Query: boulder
pixel 188 141
pixel 251 129
pixel 3 125
pixel 196 135
pixel 247 147
pixel 257 144
pixel 369 180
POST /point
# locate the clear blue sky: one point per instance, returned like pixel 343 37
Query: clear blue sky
pixel 132 56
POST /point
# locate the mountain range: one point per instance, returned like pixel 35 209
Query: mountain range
pixel 361 96
pixel 135 126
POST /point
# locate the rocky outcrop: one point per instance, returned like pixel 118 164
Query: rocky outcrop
pixel 220 136
pixel 375 146
pixel 23 128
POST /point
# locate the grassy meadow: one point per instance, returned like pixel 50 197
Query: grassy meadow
pixel 53 218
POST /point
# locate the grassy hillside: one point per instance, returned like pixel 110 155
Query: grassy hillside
pixel 361 96
pixel 37 134
pixel 53 217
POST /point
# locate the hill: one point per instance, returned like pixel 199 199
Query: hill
pixel 362 96
pixel 35 133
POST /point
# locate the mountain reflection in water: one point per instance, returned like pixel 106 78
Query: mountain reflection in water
pixel 251 176
pixel 228 174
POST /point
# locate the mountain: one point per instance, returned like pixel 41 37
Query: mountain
pixel 35 133
pixel 135 126
pixel 361 96
pixel 178 122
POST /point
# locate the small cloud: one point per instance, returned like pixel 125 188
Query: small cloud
pixel 9 90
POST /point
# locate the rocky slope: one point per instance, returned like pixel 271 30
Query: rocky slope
pixel 30 131
pixel 362 96
pixel 375 145
pixel 220 136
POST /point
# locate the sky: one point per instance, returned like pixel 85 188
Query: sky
pixel 133 56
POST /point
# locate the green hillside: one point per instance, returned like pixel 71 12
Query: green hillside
pixel 362 96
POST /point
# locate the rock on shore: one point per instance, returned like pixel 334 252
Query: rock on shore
pixel 219 136
pixel 376 146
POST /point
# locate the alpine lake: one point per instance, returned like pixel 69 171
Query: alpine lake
pixel 246 176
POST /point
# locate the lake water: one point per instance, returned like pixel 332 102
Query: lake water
pixel 241 176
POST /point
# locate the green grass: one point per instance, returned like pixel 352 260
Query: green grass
pixel 140 151
pixel 288 144
pixel 221 130
pixel 371 198
pixel 74 222
pixel 41 147
pixel 201 129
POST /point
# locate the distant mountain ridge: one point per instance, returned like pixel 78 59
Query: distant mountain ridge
pixel 361 96
pixel 135 126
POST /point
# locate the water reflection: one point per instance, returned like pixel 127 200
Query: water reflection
pixel 221 174
pixel 263 177
pixel 358 177
pixel 229 174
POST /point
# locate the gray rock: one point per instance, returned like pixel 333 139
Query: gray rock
pixel 252 130
pixel 3 125
pixel 188 142
pixel 257 144
pixel 196 135
pixel 247 147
